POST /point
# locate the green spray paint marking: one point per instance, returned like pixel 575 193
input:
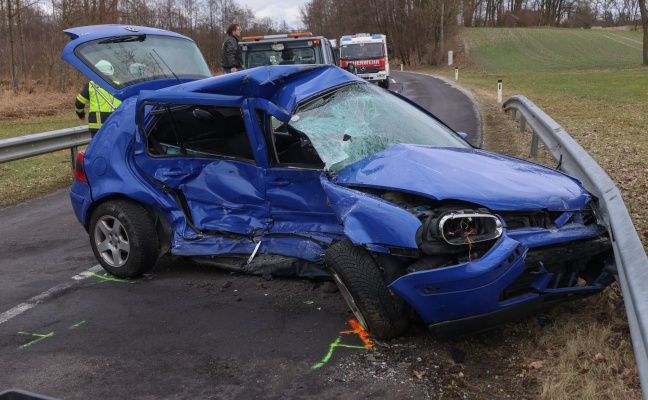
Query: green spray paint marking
pixel 355 328
pixel 40 337
pixel 330 352
pixel 45 336
pixel 109 278
pixel 78 324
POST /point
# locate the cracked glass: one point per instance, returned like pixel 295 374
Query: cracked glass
pixel 360 120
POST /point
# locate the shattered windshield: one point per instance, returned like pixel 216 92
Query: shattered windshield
pixel 139 58
pixel 359 120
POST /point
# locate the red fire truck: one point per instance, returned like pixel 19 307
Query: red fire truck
pixel 367 55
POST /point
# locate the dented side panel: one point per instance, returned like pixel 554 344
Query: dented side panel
pixel 369 220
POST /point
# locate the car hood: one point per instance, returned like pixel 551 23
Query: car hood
pixel 491 180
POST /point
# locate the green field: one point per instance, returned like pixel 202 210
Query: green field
pixel 520 50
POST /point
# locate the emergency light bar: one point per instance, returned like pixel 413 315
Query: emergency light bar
pixel 280 36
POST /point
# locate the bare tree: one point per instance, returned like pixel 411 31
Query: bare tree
pixel 12 47
pixel 644 22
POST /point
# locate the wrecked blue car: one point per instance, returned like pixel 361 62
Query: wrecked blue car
pixel 308 170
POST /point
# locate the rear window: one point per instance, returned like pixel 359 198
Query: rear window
pixel 263 54
pixel 140 58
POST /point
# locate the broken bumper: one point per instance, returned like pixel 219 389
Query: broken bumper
pixel 470 297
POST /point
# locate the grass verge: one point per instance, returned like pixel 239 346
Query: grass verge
pixel 25 114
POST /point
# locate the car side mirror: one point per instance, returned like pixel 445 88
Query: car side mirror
pixel 352 68
pixel 463 135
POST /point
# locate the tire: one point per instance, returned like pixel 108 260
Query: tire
pixel 123 238
pixel 362 284
pixel 385 83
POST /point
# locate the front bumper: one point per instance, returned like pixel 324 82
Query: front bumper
pixel 476 295
pixel 380 76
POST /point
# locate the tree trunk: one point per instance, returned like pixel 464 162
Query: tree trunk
pixel 644 22
pixel 12 45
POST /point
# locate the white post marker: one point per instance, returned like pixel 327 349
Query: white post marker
pixel 456 74
pixel 401 67
pixel 450 57
pixel 499 91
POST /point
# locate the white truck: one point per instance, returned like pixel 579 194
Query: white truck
pixel 287 48
pixel 367 55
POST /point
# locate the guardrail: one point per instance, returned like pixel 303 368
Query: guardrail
pixel 631 260
pixel 46 142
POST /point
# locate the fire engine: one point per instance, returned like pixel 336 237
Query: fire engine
pixel 367 55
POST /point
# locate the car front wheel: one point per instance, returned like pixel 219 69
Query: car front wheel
pixel 123 238
pixel 363 287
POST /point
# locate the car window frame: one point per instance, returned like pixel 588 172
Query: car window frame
pixel 144 118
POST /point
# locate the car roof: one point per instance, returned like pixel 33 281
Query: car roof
pixel 86 34
pixel 284 85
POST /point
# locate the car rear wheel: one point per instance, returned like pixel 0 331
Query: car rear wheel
pixel 123 238
pixel 363 287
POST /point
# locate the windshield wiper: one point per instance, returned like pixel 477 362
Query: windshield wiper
pixel 165 64
pixel 124 39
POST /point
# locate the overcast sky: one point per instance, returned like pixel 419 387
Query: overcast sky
pixel 278 10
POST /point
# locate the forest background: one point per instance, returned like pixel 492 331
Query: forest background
pixel 32 37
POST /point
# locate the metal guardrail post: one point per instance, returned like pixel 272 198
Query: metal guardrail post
pixel 630 256
pixel 73 156
pixel 534 144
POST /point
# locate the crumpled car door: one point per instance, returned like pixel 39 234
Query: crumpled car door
pixel 217 193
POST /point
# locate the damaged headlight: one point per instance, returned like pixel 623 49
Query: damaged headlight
pixel 458 227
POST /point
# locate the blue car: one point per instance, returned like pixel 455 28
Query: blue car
pixel 308 170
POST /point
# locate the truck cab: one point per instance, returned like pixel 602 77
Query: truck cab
pixel 286 49
pixel 367 55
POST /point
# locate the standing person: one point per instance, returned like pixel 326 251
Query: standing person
pixel 231 59
pixel 102 104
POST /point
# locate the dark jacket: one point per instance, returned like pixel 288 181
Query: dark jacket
pixel 231 54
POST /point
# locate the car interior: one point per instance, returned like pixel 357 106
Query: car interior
pixel 197 130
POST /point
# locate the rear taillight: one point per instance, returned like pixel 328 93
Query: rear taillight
pixel 79 169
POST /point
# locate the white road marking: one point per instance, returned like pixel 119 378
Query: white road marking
pixel 34 301
pixel 393 81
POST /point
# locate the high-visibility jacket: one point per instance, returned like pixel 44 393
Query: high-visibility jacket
pixel 102 104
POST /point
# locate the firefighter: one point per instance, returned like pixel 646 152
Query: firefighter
pixel 102 104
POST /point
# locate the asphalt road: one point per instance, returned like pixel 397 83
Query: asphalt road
pixel 443 99
pixel 68 330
